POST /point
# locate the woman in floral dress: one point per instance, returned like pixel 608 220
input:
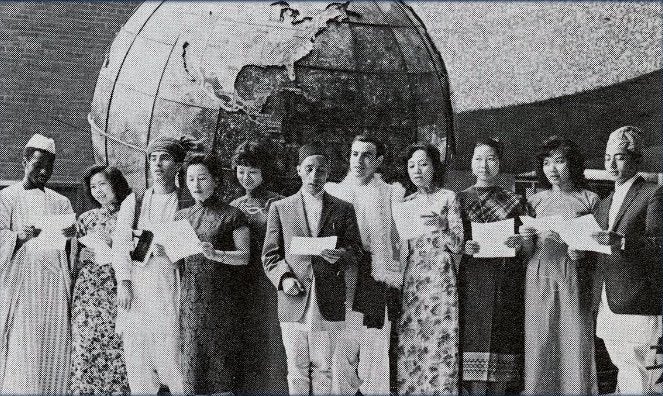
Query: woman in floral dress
pixel 492 289
pixel 97 352
pixel 428 340
pixel 264 359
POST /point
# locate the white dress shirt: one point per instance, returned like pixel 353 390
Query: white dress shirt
pixel 618 199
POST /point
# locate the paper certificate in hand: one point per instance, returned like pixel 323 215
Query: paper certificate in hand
pixel 577 233
pixel 102 250
pixel 51 236
pixel 543 224
pixel 309 246
pixel 408 220
pixel 491 238
pixel 178 238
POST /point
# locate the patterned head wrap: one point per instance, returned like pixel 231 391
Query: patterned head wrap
pixel 177 147
pixel 628 138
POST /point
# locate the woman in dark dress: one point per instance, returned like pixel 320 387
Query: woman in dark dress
pixel 212 284
pixel 492 289
pixel 264 355
pixel 97 356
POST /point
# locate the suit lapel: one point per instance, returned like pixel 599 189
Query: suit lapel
pixel 628 199
pixel 300 215
pixel 603 212
pixel 325 213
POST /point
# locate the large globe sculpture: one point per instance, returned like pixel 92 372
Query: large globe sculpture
pixel 288 72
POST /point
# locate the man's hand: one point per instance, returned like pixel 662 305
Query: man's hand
pixel 158 250
pixel 291 286
pixel 332 255
pixel 527 232
pixel 471 247
pixel 608 238
pixel 124 294
pixel 208 250
pixel 29 232
pixel 70 231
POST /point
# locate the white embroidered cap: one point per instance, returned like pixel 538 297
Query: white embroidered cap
pixel 41 142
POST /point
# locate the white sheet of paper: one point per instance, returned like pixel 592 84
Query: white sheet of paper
pixel 544 224
pixel 50 237
pixel 491 238
pixel 408 220
pixel 577 233
pixel 102 250
pixel 178 238
pixel 310 246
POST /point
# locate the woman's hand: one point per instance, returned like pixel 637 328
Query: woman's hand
pixel 332 255
pixel 514 242
pixel 575 255
pixel 208 250
pixel 438 220
pixel 86 254
pixel 527 232
pixel 553 236
pixel 471 247
pixel 124 294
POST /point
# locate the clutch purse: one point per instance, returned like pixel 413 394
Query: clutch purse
pixel 143 244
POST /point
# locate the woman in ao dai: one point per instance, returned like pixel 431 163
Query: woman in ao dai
pixel 559 329
pixel 428 361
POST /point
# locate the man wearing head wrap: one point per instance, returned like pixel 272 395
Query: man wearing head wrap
pixel 311 287
pixel 148 292
pixel 630 278
pixel 35 280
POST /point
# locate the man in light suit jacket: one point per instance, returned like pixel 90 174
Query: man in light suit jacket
pixel 629 318
pixel 311 288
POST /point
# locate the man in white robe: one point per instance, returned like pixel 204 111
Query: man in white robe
pixel 363 360
pixel 148 295
pixel 35 282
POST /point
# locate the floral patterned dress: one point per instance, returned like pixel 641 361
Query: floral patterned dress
pixel 97 352
pixel 428 338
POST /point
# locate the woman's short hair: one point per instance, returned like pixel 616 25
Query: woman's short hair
pixel 569 149
pixel 255 154
pixel 493 143
pixel 209 161
pixel 115 178
pixel 434 154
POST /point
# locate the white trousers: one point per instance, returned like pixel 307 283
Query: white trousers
pixel 309 358
pixel 153 360
pixel 361 361
pixel 628 340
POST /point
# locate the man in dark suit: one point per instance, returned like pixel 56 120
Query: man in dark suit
pixel 629 318
pixel 311 288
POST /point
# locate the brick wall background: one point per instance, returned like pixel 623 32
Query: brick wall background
pixel 50 56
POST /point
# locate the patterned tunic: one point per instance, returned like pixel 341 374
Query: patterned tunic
pixel 559 328
pixel 428 342
pixel 97 355
pixel 263 352
pixel 491 293
pixel 211 308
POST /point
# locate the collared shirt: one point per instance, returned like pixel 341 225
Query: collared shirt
pixel 313 208
pixel 618 199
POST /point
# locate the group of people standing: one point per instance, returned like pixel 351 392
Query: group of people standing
pixel 375 314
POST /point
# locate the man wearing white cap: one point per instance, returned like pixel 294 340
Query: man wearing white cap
pixel 630 278
pixel 35 280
